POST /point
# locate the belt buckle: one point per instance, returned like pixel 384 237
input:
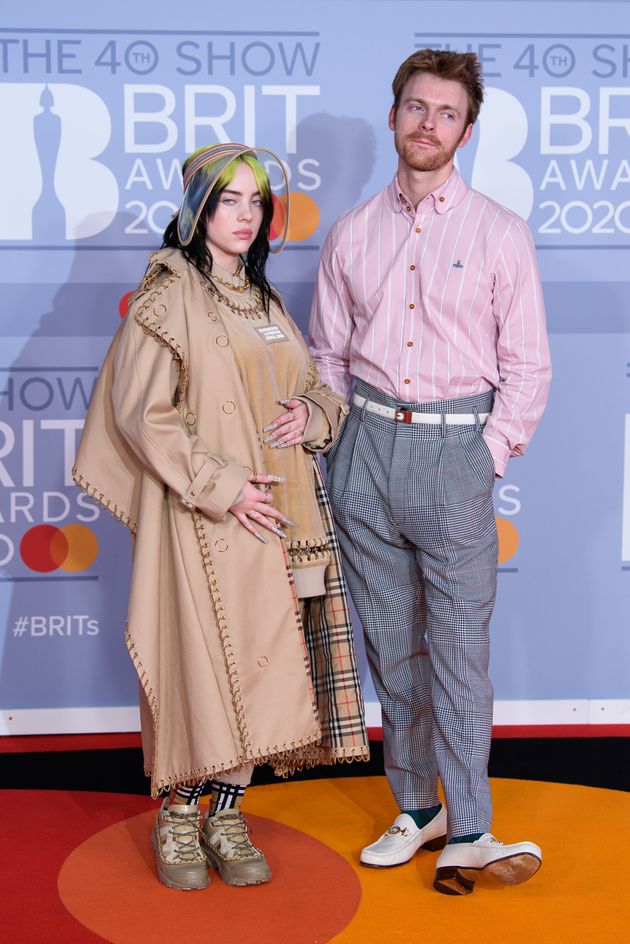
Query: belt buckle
pixel 403 416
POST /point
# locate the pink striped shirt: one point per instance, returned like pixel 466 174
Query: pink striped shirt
pixel 438 302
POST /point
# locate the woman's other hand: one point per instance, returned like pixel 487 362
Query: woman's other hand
pixel 254 508
pixel 288 428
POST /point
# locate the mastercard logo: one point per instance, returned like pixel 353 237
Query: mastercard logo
pixel 72 548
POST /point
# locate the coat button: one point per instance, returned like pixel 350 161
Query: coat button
pixel 263 661
pixel 223 340
pixel 212 315
pixel 221 545
pixel 229 407
pixel 191 419
pixel 159 310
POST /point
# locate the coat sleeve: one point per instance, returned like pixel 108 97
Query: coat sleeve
pixel 327 410
pixel 144 392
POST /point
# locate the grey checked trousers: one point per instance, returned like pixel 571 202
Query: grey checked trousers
pixel 414 513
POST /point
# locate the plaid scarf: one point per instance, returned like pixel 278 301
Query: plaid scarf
pixel 332 658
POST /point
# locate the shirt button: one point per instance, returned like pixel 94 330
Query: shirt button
pixel 418 230
pixel 442 199
pixel 409 343
pixel 412 306
pixel 412 268
pixel 407 207
pixel 406 380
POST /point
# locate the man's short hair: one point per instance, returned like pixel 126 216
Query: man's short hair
pixel 462 67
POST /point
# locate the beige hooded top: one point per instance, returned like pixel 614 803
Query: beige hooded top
pixel 229 674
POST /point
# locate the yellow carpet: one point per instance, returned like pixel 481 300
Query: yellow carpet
pixel 312 833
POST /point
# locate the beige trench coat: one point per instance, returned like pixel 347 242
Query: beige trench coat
pixel 227 671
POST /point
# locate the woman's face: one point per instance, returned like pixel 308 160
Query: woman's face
pixel 236 220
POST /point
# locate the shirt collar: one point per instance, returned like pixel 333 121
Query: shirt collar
pixel 443 198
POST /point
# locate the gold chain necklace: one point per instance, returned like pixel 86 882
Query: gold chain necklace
pixel 241 288
pixel 245 311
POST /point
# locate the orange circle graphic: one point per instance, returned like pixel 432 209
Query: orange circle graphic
pixel 303 216
pixel 82 548
pixel 146 911
pixel 508 539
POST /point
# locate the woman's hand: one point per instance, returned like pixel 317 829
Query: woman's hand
pixel 254 508
pixel 288 429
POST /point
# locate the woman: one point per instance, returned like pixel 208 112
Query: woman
pixel 201 438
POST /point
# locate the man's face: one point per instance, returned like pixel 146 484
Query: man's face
pixel 431 122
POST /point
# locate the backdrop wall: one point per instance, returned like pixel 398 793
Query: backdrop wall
pixel 99 107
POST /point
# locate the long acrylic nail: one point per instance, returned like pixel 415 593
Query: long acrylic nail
pixel 267 429
pixel 288 522
pixel 280 533
pixel 284 402
pixel 280 445
pixel 276 478
pixel 269 439
pixel 260 537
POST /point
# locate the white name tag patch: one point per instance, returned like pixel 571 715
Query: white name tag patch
pixel 271 333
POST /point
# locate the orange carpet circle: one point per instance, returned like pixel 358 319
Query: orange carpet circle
pixel 79 869
pixel 128 906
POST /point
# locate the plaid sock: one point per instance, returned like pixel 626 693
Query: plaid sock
pixel 189 795
pixel 225 796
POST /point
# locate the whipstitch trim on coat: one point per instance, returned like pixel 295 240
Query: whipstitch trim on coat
pixel 152 702
pixel 98 496
pixel 284 759
pixel 224 633
pixel 309 549
pixel 153 328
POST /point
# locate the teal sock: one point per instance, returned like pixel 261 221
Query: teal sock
pixel 422 817
pixel 471 837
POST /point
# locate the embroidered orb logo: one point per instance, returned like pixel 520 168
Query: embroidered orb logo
pixel 71 548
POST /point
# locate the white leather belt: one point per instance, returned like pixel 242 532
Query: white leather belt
pixel 408 416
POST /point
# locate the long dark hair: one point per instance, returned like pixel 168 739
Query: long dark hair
pixel 197 252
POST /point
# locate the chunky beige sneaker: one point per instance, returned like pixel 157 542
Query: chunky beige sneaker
pixel 180 862
pixel 228 848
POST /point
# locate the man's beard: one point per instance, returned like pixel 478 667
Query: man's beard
pixel 417 159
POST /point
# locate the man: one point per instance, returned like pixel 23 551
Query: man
pixel 428 294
